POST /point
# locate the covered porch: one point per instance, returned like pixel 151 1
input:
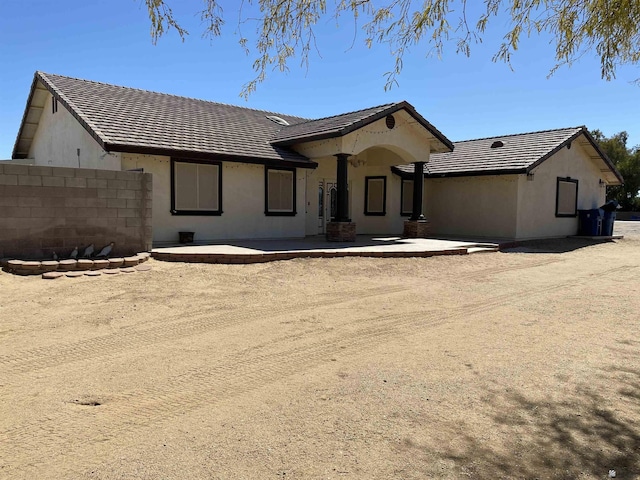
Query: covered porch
pixel 352 191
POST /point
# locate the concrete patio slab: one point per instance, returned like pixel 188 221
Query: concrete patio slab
pixel 254 251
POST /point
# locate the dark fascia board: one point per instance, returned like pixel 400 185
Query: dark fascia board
pixel 404 105
pixel 101 141
pixel 34 83
pixel 434 131
pixel 32 91
pixel 39 78
pixel 124 148
pixel 113 147
pixel 477 173
pixel 402 173
pixel 466 173
pixel 583 131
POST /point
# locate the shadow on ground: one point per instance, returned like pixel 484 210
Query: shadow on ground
pixel 587 434
pixel 562 245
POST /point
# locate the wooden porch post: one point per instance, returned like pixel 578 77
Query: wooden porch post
pixel 341 228
pixel 342 200
pixel 417 226
pixel 418 187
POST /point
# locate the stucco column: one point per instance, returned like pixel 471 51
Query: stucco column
pixel 342 199
pixel 418 188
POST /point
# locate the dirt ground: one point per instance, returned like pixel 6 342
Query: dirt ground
pixel 521 364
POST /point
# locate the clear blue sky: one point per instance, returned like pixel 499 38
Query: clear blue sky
pixel 463 97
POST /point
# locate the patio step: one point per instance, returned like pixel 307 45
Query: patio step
pixel 483 249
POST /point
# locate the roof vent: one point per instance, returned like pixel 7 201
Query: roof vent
pixel 278 120
pixel 497 144
pixel 390 121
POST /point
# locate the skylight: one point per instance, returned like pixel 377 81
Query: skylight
pixel 278 120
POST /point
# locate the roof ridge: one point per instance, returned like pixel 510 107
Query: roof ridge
pixel 49 75
pixel 521 134
pixel 347 113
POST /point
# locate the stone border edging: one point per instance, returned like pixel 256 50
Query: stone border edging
pixel 82 266
pixel 225 258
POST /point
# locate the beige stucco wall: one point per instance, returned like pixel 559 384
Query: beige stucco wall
pixel 481 206
pixel 537 198
pixel 58 138
pixel 242 204
pixel 372 162
pixel 408 140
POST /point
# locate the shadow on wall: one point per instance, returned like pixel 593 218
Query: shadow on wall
pixel 53 240
pixel 581 436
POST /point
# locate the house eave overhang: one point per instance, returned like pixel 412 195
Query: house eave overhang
pixel 106 145
pixel 465 173
pixel 582 131
pixel 591 141
pixel 143 150
pixel 40 79
pixel 446 144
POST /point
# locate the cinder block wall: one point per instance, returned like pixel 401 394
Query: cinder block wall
pixel 54 209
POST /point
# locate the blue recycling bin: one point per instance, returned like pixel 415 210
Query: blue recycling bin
pixel 590 222
pixel 607 223
pixel 609 217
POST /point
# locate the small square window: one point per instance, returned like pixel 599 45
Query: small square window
pixel 196 188
pixel 280 191
pixel 566 197
pixel 375 196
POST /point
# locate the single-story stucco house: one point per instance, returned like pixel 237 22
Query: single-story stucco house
pixel 523 186
pixel 228 172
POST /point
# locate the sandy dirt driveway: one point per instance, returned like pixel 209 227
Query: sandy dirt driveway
pixel 519 364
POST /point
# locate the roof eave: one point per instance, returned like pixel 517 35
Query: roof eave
pixel 433 130
pixel 582 131
pixel 603 155
pixel 334 133
pixel 40 78
pixel 14 153
pixel 477 173
pixel 465 173
pixel 143 150
pixel 82 121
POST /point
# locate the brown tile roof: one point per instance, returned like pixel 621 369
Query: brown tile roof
pixel 519 154
pixel 139 121
pixel 123 119
pixel 339 125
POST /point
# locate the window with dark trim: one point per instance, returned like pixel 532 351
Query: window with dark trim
pixel 375 195
pixel 566 197
pixel 196 187
pixel 279 191
pixel 54 104
pixel 406 198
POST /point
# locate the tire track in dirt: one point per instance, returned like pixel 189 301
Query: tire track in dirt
pixel 241 373
pixel 512 268
pixel 179 326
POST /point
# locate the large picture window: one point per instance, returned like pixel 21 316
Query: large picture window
pixel 280 191
pixel 406 205
pixel 196 188
pixel 566 197
pixel 375 196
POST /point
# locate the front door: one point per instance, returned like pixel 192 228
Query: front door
pixel 328 203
